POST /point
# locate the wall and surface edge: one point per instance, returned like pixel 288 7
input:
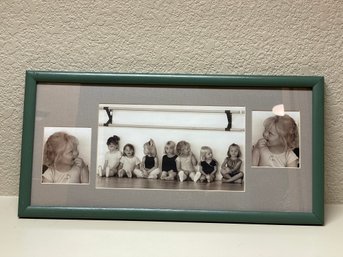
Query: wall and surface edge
pixel 200 37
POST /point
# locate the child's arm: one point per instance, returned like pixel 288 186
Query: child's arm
pixel 178 164
pixel 292 164
pixel 261 143
pixel 255 156
pixel 142 168
pixel 85 174
pixel 117 166
pixel 142 165
pixel 214 171
pixel 84 170
pixel 224 168
pixel 201 171
pixel 120 166
pixel 138 163
pixel 237 167
pixel 194 160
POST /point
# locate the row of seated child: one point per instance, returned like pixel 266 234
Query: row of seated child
pixel 178 163
pixel 62 164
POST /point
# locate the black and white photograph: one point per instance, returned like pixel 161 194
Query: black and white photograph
pixel 171 147
pixel 66 155
pixel 276 138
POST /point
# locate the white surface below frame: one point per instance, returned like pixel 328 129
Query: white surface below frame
pixel 51 237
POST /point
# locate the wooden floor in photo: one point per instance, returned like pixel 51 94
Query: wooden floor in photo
pixel 115 182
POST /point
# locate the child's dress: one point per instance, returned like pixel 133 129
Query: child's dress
pixel 113 158
pixel 208 168
pixel 51 175
pixel 233 165
pixel 186 163
pixel 149 163
pixel 269 159
pixel 129 165
pixel 168 163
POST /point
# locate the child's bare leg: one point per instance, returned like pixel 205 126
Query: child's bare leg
pixel 99 171
pixel 107 172
pixel 171 175
pixel 145 174
pixel 211 178
pixel 121 173
pixel 234 178
pixel 138 173
pixel 164 175
pixel 154 174
pixel 110 172
pixel 128 173
pixel 202 178
pixel 195 176
pixel 182 175
pixel 225 173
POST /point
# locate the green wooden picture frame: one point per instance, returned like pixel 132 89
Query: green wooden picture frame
pixel 313 85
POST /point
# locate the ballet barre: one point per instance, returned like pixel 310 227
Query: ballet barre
pixel 228 113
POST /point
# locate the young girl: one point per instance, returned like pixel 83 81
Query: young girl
pixel 149 165
pixel 129 163
pixel 169 170
pixel 231 166
pixel 207 167
pixel 112 158
pixel 186 161
pixel 275 149
pixel 61 158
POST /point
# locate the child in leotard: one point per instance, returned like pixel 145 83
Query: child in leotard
pixel 112 158
pixel 231 166
pixel 207 167
pixel 275 149
pixel 149 164
pixel 129 163
pixel 169 170
pixel 185 162
pixel 61 156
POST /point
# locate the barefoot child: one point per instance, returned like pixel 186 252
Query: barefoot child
pixel 61 156
pixel 112 158
pixel 129 163
pixel 207 167
pixel 231 166
pixel 169 170
pixel 149 165
pixel 185 162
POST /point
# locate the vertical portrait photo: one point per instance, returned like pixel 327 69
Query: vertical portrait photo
pixel 66 155
pixel 276 139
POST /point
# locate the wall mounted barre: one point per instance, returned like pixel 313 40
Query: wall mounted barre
pixel 110 110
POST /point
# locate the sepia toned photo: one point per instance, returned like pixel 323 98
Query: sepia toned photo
pixel 66 155
pixel 276 139
pixel 171 147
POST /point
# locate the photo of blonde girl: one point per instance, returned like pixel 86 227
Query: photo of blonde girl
pixel 62 163
pixel 278 145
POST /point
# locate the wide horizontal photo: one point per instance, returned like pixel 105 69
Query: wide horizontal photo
pixel 171 147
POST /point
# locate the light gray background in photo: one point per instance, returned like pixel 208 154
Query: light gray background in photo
pixel 265 190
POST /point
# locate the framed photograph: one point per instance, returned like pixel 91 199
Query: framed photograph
pixel 173 147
